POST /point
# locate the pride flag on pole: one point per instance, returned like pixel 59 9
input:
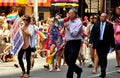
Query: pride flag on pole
pixel 41 34
pixel 12 16
pixel 50 59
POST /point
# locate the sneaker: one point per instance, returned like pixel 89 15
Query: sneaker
pixel 51 69
pixel 58 69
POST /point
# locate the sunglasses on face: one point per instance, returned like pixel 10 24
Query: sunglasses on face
pixel 25 19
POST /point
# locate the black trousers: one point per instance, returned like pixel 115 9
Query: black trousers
pixel 71 53
pixel 20 59
pixel 102 51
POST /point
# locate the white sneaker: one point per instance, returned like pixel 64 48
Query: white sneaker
pixel 58 70
pixel 51 69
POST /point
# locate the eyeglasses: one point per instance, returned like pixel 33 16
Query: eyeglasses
pixel 95 18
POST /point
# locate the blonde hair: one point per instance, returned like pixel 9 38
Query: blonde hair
pixel 1 22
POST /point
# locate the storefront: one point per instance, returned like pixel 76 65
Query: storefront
pixel 43 8
pixel 62 6
pixel 7 5
pixel 13 2
pixel 108 5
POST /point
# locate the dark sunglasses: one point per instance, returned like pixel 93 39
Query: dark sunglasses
pixel 25 19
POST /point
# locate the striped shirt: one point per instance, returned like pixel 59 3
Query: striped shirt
pixel 74 30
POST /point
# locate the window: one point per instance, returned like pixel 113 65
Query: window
pixel 41 16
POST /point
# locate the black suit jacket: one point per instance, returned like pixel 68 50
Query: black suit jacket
pixel 108 36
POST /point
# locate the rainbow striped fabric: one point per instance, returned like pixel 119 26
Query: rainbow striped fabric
pixel 12 16
pixel 50 59
pixel 41 34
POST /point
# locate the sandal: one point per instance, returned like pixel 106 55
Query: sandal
pixel 94 71
pixel 22 74
pixel 26 76
pixel 117 66
pixel 118 71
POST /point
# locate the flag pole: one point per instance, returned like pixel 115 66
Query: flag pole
pixel 36 9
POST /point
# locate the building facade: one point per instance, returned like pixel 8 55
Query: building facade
pixel 62 6
pixel 99 6
pixel 7 6
pixel 43 9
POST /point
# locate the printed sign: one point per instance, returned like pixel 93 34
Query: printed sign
pixel 16 37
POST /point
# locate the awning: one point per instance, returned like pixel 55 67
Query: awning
pixel 65 4
pixel 64 1
pixel 13 2
pixel 43 3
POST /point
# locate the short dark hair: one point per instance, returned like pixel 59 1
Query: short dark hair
pixel 21 11
pixel 74 10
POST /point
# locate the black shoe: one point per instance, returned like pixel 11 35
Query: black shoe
pixel 46 66
pixel 117 66
pixel 56 66
pixel 16 65
pixel 79 75
pixel 102 75
pixel 90 66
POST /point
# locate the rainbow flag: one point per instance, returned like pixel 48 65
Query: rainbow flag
pixel 50 59
pixel 41 34
pixel 12 16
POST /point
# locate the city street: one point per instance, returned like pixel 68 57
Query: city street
pixel 7 70
pixel 50 27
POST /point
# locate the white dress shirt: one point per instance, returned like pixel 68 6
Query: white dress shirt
pixel 74 30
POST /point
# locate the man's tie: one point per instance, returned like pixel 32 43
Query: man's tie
pixel 101 30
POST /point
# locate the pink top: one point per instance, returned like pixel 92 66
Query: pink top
pixel 117 33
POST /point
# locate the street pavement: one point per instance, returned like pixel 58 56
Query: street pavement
pixel 7 70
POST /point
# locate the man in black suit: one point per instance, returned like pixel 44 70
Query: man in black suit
pixel 102 39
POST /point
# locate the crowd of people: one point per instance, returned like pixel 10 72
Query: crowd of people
pixel 71 37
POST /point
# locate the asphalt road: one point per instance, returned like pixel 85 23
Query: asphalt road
pixel 7 70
